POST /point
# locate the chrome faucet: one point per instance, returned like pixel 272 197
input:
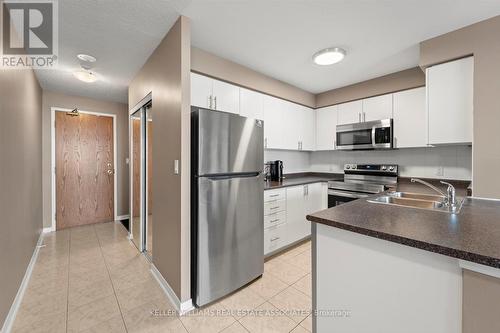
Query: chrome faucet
pixel 450 200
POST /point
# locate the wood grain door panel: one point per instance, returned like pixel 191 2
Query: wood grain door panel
pixel 84 169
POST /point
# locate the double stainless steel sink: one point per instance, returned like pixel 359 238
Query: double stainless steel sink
pixel 417 200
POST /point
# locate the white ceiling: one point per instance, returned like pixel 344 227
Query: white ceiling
pixel 275 37
pixel 121 34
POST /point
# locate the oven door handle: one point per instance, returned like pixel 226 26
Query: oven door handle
pixel 347 194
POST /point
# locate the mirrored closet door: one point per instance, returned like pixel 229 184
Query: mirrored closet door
pixel 141 201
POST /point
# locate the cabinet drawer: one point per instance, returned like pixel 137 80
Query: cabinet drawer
pixel 274 207
pixel 274 219
pixel 274 195
pixel 274 238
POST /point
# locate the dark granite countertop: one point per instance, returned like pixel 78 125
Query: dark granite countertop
pixel 472 235
pixel 302 179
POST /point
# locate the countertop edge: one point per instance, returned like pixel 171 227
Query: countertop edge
pixel 439 249
pixel 305 182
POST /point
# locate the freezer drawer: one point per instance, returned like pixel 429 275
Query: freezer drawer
pixel 230 234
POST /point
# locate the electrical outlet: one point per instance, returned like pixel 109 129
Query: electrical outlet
pixel 440 171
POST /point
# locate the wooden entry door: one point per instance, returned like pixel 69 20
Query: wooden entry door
pixel 84 169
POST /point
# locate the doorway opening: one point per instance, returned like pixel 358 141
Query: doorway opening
pixel 141 171
pixel 84 185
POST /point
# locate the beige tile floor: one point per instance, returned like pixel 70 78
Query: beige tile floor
pixel 92 279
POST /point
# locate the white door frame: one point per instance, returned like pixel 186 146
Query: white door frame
pixel 53 111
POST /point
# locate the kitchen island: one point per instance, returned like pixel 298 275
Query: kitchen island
pixel 386 268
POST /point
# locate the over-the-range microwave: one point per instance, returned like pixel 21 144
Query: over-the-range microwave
pixel 376 134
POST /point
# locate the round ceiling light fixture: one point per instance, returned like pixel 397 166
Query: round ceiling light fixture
pixel 85 76
pixel 86 57
pixel 329 56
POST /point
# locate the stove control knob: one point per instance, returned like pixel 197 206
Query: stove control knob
pixel 391 168
pixel 384 168
pixel 347 166
pixel 354 166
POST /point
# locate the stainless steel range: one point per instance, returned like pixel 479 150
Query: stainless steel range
pixel 361 181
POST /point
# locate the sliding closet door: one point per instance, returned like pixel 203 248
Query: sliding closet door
pixel 149 180
pixel 142 179
pixel 136 182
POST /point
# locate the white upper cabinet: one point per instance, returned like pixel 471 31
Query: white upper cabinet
pixel 251 104
pixel 410 121
pixel 274 132
pixel 226 97
pixel 326 123
pixel 214 94
pixel 450 102
pixel 306 127
pixel 350 112
pixel 287 125
pixel 377 108
pixel 201 91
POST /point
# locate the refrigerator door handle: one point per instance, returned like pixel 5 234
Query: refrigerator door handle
pixel 230 176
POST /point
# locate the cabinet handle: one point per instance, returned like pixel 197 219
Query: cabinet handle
pixel 273 208
pixel 210 101
pixel 215 101
pixel 275 220
pixel 359 117
pixel 265 143
pixel 275 239
pixel 274 195
pixel 364 117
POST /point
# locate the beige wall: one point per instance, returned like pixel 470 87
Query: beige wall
pixel 407 79
pixel 481 40
pixel 209 64
pixel 53 99
pixel 481 294
pixel 166 76
pixel 20 178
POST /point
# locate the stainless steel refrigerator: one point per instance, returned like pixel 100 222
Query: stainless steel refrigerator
pixel 227 229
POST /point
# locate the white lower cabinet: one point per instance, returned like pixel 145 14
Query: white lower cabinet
pixel 285 211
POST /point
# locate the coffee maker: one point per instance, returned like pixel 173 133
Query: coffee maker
pixel 274 171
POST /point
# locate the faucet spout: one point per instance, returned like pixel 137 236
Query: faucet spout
pixel 449 195
pixel 423 182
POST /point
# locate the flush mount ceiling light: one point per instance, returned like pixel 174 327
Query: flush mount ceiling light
pixel 86 57
pixel 85 76
pixel 329 56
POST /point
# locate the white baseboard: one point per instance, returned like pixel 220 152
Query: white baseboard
pixel 11 316
pixel 122 217
pixel 181 307
pixel 49 229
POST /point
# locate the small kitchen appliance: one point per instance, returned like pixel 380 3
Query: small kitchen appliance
pixel 276 171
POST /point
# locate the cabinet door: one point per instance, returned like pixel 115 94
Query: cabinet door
pixel 297 225
pixel 449 102
pixel 326 123
pixel 349 113
pixel 377 108
pixel 251 104
pixel 226 97
pixel 410 121
pixel 274 131
pixel 201 90
pixel 314 198
pixel 306 129
pixel 292 124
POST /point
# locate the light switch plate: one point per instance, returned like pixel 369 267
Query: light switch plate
pixel 176 167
